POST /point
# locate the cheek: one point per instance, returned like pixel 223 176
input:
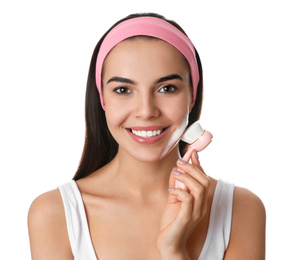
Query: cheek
pixel 179 109
pixel 113 110
pixel 116 115
pixel 175 136
pixel 114 118
pixel 179 114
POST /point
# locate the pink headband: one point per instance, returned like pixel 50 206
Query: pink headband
pixel 148 26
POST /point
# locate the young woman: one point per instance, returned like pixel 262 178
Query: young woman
pixel 144 89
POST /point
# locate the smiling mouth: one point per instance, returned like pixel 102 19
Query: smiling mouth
pixel 147 134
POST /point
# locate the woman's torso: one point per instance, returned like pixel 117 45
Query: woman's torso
pixel 119 228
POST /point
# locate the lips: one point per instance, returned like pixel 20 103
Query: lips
pixel 147 135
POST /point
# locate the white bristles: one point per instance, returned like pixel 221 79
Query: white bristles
pixel 192 133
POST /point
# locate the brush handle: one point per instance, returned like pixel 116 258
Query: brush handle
pixel 186 158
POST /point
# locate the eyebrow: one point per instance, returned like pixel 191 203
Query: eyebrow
pixel 121 80
pixel 129 81
pixel 169 77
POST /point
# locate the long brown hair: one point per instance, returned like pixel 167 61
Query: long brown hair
pixel 100 147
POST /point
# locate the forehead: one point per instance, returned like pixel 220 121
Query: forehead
pixel 136 52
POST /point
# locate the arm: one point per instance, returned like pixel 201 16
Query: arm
pixel 47 228
pixel 247 239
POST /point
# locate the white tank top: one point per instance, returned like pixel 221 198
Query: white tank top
pixel 218 234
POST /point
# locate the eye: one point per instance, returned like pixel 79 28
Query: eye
pixel 168 89
pixel 122 90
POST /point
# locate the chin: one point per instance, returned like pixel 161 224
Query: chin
pixel 152 155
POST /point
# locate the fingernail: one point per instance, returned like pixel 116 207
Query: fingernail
pixel 180 161
pixel 171 189
pixel 176 172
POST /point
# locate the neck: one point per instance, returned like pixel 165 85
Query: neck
pixel 144 180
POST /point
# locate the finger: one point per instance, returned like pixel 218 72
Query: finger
pixel 186 200
pixel 195 172
pixel 195 161
pixel 198 192
pixel 201 179
pixel 206 183
pixel 172 179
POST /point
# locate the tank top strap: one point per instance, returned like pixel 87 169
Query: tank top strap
pixel 76 221
pixel 219 230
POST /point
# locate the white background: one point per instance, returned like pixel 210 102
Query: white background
pixel 45 52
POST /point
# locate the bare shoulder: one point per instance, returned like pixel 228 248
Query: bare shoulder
pixel 248 227
pixel 247 207
pixel 49 201
pixel 46 208
pixel 47 227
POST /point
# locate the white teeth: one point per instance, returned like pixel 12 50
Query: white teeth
pixel 146 134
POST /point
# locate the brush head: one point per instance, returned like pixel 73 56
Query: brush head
pixel 192 133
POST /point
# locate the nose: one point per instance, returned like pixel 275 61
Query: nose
pixel 146 107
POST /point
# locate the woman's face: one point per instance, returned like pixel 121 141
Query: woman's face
pixel 147 95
